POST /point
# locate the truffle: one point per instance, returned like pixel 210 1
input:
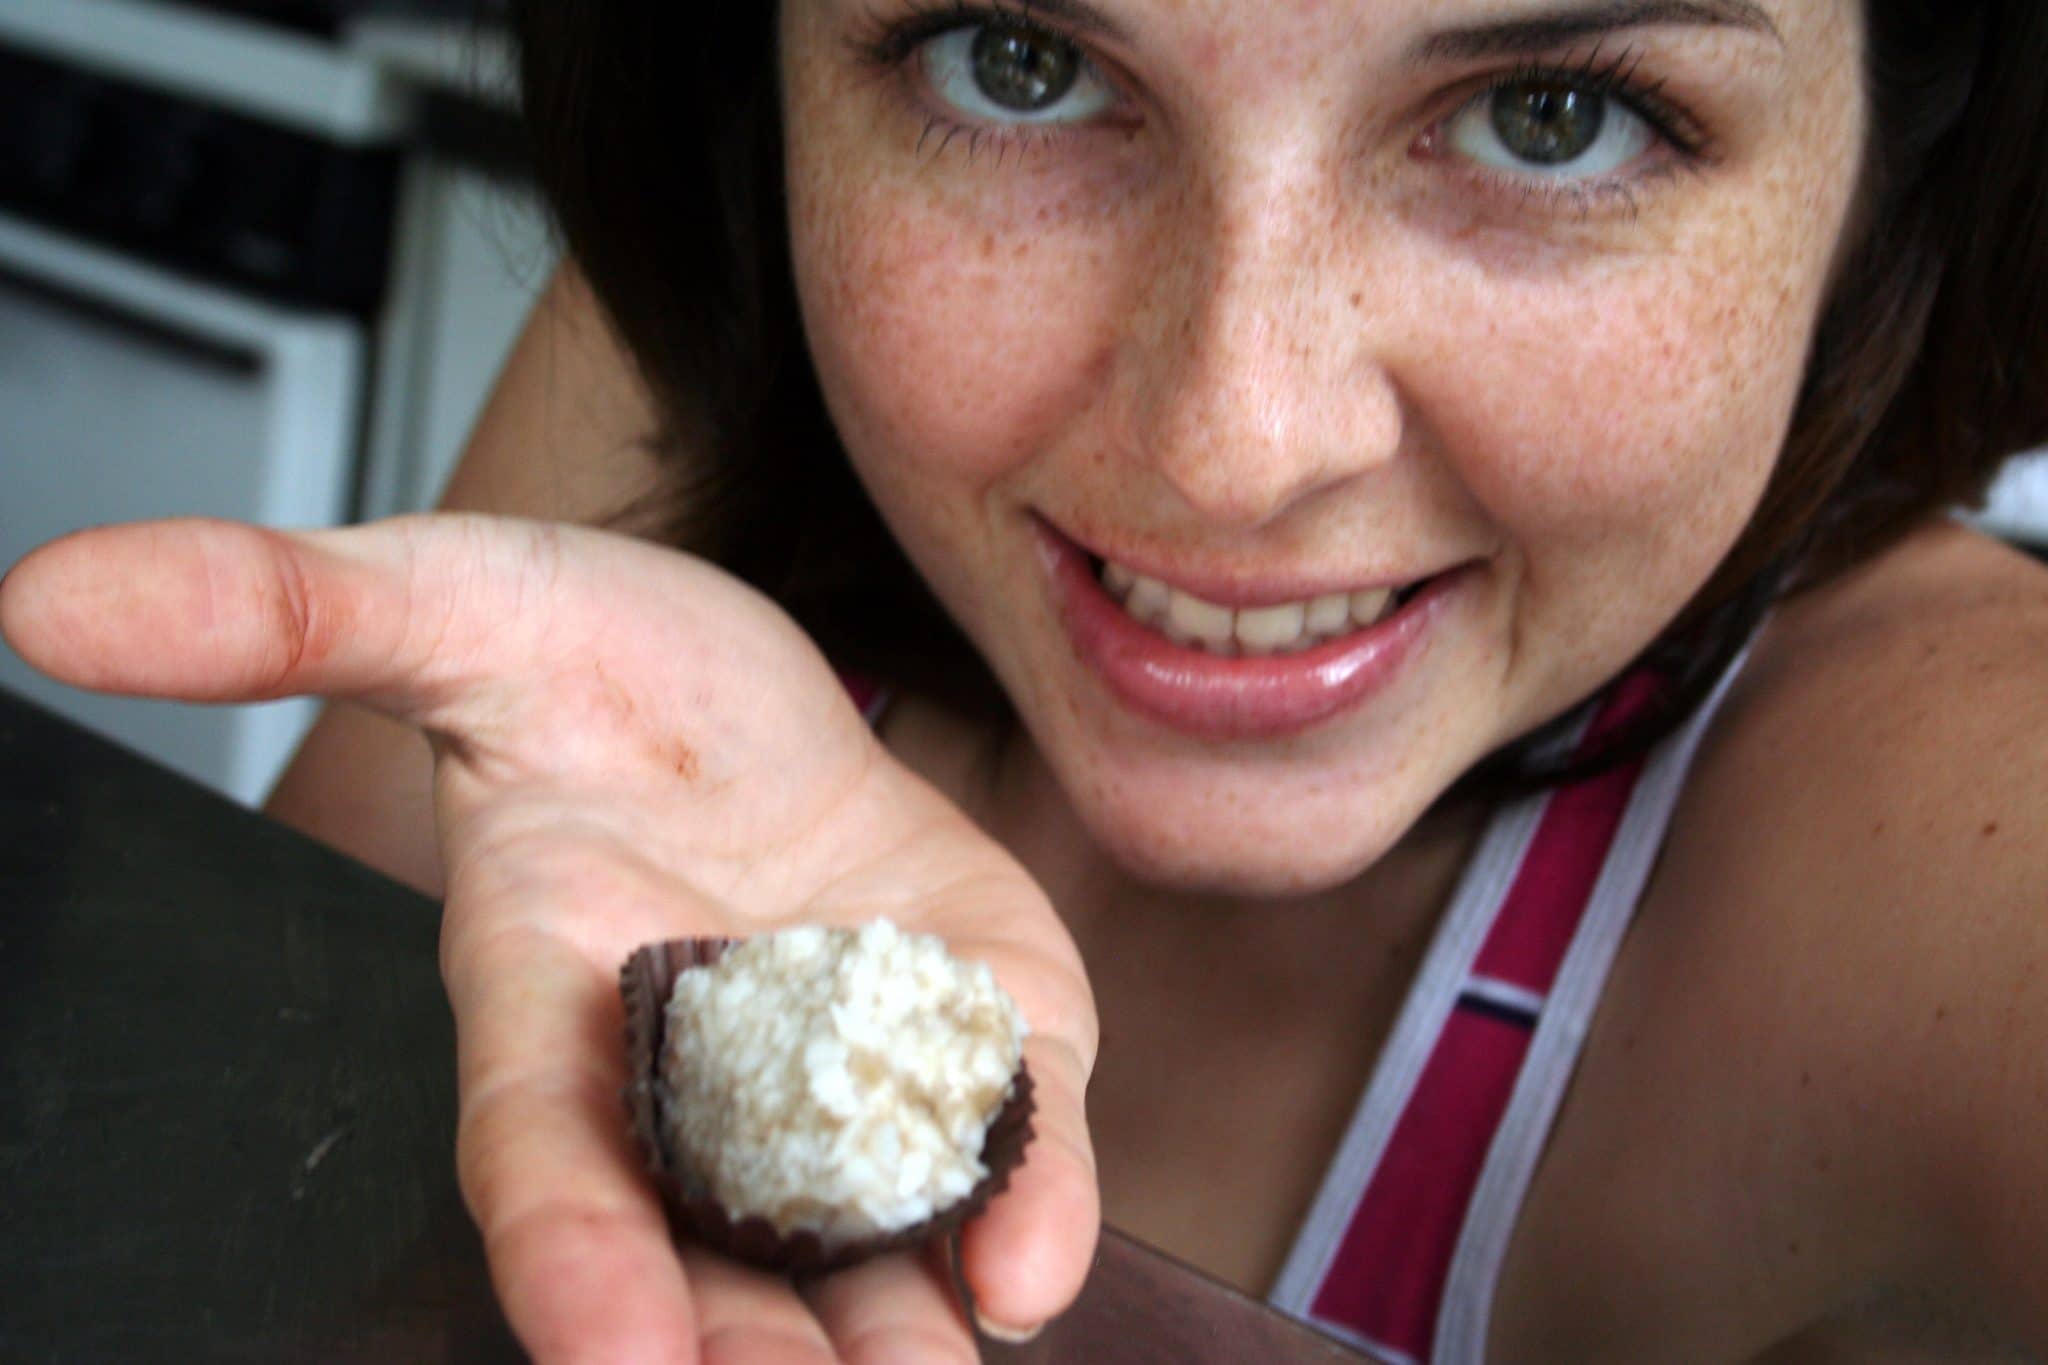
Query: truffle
pixel 826 1092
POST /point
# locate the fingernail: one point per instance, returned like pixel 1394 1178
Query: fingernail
pixel 1009 1336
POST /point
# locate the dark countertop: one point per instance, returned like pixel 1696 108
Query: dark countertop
pixel 227 1102
pixel 227 1095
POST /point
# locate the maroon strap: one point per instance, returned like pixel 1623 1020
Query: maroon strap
pixel 1385 1284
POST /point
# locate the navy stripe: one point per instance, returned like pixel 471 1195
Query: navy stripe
pixel 1494 1009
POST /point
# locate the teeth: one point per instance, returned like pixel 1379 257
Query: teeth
pixel 1262 630
pixel 1198 620
pixel 1330 614
pixel 1370 604
pixel 1148 600
pixel 1281 629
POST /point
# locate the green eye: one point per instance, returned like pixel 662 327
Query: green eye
pixel 1023 69
pixel 1550 129
pixel 1009 73
pixel 1547 124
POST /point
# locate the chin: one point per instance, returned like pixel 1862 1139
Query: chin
pixel 1241 861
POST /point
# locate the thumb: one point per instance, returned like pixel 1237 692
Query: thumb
pixel 213 611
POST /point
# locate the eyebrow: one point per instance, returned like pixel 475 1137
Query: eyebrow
pixel 1555 28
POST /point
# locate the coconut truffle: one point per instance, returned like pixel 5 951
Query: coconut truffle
pixel 837 1082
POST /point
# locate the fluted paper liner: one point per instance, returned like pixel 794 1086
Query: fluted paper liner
pixel 645 982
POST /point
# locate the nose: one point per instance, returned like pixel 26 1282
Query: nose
pixel 1253 377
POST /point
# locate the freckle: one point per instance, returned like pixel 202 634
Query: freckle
pixel 1805 1079
pixel 1877 828
pixel 1823 1163
pixel 1792 1248
pixel 988 245
pixel 1940 1013
pixel 1357 300
pixel 1990 828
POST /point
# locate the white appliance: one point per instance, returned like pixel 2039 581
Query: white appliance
pixel 137 382
pixel 130 393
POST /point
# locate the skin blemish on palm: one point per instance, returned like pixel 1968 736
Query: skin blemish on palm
pixel 685 761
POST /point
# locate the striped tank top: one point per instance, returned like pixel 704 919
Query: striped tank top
pixel 1402 1248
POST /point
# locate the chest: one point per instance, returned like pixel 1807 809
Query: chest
pixel 1670 1216
pixel 1213 1131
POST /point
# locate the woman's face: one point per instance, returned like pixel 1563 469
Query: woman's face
pixel 1297 400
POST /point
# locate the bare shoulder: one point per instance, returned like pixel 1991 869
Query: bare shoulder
pixel 1866 841
pixel 1901 710
pixel 1924 676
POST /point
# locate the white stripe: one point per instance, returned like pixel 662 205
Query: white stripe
pixel 1518 1143
pixel 1448 965
pixel 1435 993
pixel 1506 994
pixel 1379 1351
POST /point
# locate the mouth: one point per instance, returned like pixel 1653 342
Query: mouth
pixel 1256 664
pixel 1287 627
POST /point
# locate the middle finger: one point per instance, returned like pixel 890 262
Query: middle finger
pixel 749 1317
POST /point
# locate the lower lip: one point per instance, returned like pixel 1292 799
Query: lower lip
pixel 1211 696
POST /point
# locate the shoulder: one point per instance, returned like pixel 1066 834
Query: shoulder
pixel 1915 687
pixel 1901 711
pixel 1866 838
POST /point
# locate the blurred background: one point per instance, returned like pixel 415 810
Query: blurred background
pixel 258 259
pixel 261 259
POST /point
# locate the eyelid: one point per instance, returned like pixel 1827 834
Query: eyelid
pixel 1680 142
pixel 890 42
pixel 891 47
pixel 1618 78
pixel 1090 88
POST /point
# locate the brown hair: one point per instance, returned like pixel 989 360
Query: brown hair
pixel 656 135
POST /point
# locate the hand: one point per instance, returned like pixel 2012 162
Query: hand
pixel 630 745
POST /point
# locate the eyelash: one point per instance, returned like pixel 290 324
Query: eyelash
pixel 1688 141
pixel 885 44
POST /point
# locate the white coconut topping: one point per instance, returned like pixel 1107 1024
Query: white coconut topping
pixel 837 1081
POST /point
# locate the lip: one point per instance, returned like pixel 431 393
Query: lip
pixel 1211 696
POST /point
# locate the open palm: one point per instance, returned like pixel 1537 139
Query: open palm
pixel 630 746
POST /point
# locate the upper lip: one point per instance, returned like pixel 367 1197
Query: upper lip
pixel 1235 588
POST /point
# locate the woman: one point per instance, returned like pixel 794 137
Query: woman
pixel 1322 427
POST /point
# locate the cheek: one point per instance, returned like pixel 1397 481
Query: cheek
pixel 1640 413
pixel 995 324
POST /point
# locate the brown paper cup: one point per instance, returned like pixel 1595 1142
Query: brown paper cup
pixel 645 983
